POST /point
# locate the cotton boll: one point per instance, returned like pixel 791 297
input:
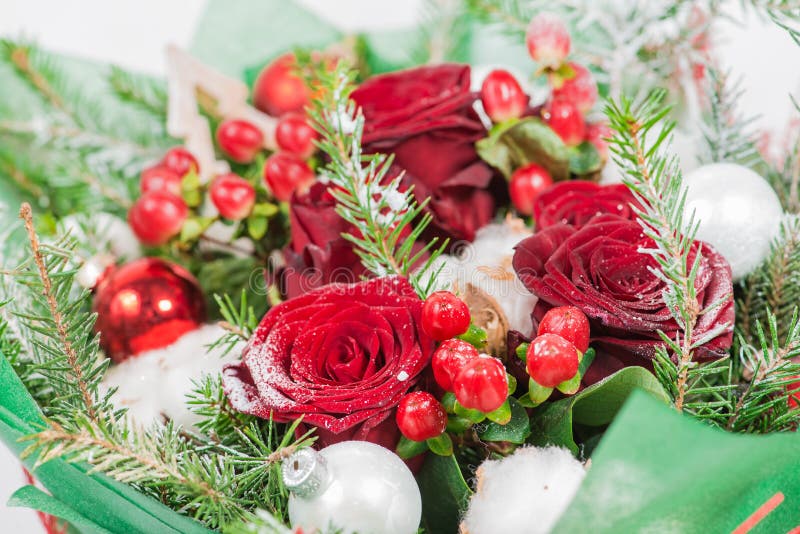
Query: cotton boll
pixel 155 383
pixel 525 492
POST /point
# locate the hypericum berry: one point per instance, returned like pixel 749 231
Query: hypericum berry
pixel 233 196
pixel 420 416
pixel 502 96
pixel 548 40
pixel 581 89
pixel 294 134
pixel 565 119
pixel 596 134
pixel 551 360
pixel 449 359
pixel 240 140
pixel 157 216
pixel 160 178
pixel 278 89
pixel 568 322
pixel 794 400
pixel 527 183
pixel 444 316
pixel 180 160
pixel 481 385
pixel 284 173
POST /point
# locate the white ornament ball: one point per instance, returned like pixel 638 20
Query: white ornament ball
pixel 738 212
pixel 525 492
pixel 355 486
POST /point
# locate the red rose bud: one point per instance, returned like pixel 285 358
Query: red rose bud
pixel 180 160
pixel 449 359
pixel 239 140
pixel 233 196
pixel 576 202
pixel 526 184
pixel 284 173
pixel 580 90
pixel 551 360
pixel 157 216
pixel 161 178
pixel 502 96
pixel 548 40
pixel 420 416
pixel 599 268
pixel 565 119
pixel 294 134
pixel 568 322
pixel 482 385
pixel 444 316
pixel 302 362
pixel 279 90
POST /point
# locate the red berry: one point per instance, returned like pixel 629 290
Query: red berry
pixel 548 40
pixel 157 216
pixel 449 359
pixel 527 183
pixel 420 416
pixel 444 316
pixel 568 322
pixel 278 89
pixel 284 173
pixel 551 360
pixel 502 96
pixel 233 196
pixel 294 134
pixel 794 400
pixel 581 89
pixel 180 160
pixel 482 385
pixel 160 178
pixel 597 134
pixel 240 140
pixel 565 119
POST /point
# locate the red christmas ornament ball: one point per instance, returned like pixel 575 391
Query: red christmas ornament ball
pixel 144 305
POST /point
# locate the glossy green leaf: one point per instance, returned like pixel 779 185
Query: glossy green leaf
pixel 193 227
pixel 584 160
pixel 257 226
pixel 444 493
pixel 516 430
pixel 407 448
pixel 526 141
pixel 441 445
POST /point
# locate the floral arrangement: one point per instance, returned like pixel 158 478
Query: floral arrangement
pixel 351 298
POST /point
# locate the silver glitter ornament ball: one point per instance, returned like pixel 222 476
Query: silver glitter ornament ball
pixel 738 212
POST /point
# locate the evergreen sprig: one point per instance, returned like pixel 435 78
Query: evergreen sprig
pixel 444 33
pixel 655 180
pixel 388 222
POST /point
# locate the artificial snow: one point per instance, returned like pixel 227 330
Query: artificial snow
pixel 525 492
pixel 153 385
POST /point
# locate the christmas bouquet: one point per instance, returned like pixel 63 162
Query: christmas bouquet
pixel 331 288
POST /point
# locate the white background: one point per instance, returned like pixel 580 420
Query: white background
pixel 133 34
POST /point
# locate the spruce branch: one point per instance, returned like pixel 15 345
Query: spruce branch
pixel 140 92
pixel 655 180
pixel 387 220
pixel 443 34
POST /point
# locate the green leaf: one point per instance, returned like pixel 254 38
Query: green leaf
pixel 656 470
pixel 34 498
pixel 445 494
pixel 441 445
pixel 475 336
pixel 257 226
pixel 193 227
pixel 407 448
pixel 526 141
pixel 501 415
pixel 584 159
pixel 516 430
pixel 265 209
pixel 595 406
pixel 191 190
pixel 476 416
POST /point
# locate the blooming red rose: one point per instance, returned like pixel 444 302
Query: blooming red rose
pixel 575 202
pixel 599 269
pixel 424 116
pixel 341 357
pixel 317 253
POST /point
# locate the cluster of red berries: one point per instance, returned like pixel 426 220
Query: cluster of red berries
pixel 573 94
pixel 478 382
pixel 553 357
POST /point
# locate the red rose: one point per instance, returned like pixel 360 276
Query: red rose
pixel 599 269
pixel 575 202
pixel 317 253
pixel 424 116
pixel 340 356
